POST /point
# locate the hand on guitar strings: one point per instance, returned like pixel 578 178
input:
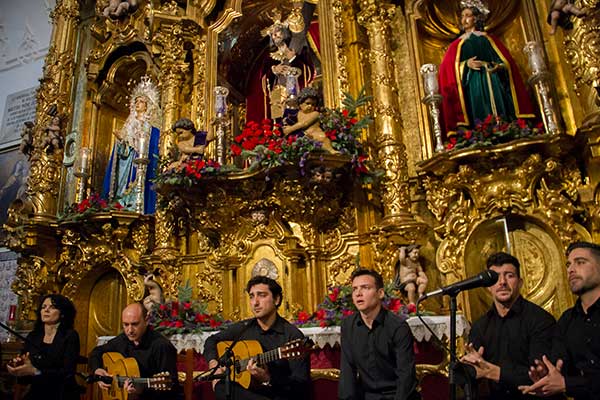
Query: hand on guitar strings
pixel 102 372
pixel 213 364
pixel 261 375
pixel 21 366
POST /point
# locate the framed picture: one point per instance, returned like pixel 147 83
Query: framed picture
pixel 13 180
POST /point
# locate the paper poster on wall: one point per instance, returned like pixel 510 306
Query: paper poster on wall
pixel 20 107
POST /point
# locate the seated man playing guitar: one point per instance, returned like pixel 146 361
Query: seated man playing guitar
pixel 278 379
pixel 152 351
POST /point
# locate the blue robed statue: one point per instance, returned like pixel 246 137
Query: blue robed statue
pixel 137 141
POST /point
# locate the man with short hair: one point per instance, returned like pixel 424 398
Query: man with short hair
pixel 152 351
pixel 574 366
pixel 378 360
pixel 279 379
pixel 506 340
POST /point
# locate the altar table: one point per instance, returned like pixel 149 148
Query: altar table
pixel 325 360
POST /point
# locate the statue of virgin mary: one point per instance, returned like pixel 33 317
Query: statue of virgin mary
pixel 137 139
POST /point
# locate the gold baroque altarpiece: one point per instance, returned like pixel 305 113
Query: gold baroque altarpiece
pixel 533 195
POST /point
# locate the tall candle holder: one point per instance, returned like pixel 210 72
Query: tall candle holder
pixel 540 80
pixel 221 122
pixel 433 99
pixel 82 173
pixel 141 162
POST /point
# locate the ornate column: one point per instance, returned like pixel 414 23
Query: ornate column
pixel 172 67
pixel 581 47
pixel 170 38
pixel 376 17
pixel 53 100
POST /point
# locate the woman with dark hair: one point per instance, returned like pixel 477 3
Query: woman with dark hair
pixel 49 358
pixel 478 77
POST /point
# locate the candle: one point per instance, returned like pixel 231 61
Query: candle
pixel 84 158
pixel 536 58
pixel 142 146
pixel 430 79
pixel 220 100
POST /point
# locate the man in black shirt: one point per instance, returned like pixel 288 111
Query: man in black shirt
pixel 152 351
pixel 280 379
pixel 378 361
pixel 574 368
pixel 510 336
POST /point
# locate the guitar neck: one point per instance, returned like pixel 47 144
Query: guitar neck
pixel 261 359
pixel 136 381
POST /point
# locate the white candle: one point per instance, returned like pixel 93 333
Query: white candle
pixel 84 158
pixel 143 146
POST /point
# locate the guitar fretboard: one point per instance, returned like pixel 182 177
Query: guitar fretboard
pixel 261 359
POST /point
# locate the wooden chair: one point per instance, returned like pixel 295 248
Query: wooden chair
pixel 185 362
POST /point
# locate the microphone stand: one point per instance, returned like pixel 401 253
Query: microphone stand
pixel 454 363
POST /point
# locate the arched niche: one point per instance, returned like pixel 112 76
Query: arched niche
pixel 99 299
pixel 237 48
pixel 110 102
pixel 539 252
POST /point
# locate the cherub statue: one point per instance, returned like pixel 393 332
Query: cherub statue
pixel 410 276
pixel 26 145
pixel 119 8
pixel 53 139
pixel 190 143
pixel 155 295
pixel 560 14
pixel 307 119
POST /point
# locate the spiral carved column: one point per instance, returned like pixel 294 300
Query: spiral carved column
pixel 391 152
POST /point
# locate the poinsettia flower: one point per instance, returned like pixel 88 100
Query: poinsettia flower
pixel 303 316
pixel 321 314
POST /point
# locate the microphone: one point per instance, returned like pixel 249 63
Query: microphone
pixel 483 279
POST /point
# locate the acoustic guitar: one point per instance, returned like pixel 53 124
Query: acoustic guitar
pixel 246 350
pixel 122 369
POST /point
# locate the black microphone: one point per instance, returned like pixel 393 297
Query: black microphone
pixel 484 279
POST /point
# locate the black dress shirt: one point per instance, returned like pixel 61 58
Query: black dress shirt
pixel 57 363
pixel 154 354
pixel 377 363
pixel 577 343
pixel 513 342
pixel 290 379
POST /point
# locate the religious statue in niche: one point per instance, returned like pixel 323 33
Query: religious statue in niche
pixel 120 8
pixel 191 144
pixel 478 77
pixel 137 140
pixel 410 277
pixel 291 63
pixel 306 120
pixel 560 14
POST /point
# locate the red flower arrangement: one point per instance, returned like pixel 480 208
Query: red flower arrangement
pixel 267 146
pixel 338 305
pixel 187 173
pixel 493 131
pixel 88 206
pixel 183 315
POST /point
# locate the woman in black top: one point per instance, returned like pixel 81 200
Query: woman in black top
pixel 50 355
